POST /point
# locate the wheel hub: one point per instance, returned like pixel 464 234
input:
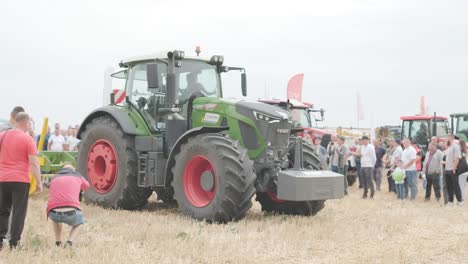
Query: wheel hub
pixel 102 166
pixel 199 181
pixel 207 181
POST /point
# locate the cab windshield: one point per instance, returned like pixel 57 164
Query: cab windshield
pixel 462 124
pixel 194 78
pixel 302 118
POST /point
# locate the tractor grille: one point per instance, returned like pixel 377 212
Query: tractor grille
pixel 278 133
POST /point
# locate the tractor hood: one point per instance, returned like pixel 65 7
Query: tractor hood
pixel 243 105
pixel 263 108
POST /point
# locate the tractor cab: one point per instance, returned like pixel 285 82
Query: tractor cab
pixel 421 128
pixel 146 85
pixel 460 125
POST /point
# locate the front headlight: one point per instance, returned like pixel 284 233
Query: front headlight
pixel 264 117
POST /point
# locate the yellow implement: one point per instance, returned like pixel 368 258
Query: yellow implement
pixel 40 145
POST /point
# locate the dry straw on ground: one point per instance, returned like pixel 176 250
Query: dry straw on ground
pixel 350 230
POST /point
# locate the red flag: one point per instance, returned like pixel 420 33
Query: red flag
pixel 295 87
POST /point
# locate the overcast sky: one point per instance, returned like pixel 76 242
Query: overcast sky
pixel 54 53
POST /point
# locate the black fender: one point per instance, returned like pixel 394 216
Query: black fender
pixel 122 118
pixel 175 149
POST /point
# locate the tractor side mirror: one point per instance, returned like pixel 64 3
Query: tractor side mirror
pixel 152 77
pixel 244 84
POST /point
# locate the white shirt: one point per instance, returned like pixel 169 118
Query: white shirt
pixel 72 142
pixel 396 155
pixel 453 153
pixel 56 142
pixel 368 157
pixel 408 155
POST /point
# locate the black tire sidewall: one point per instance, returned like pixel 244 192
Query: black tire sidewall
pixel 211 154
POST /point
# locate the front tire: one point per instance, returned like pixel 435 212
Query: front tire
pixel 213 178
pixel 106 159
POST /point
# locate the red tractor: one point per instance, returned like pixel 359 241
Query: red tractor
pixel 421 128
pixel 303 115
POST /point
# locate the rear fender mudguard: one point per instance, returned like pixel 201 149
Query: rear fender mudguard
pixel 122 117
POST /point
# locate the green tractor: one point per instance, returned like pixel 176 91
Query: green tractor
pixel 176 135
pixel 460 125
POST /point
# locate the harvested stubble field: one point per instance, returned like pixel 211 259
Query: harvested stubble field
pixel 350 230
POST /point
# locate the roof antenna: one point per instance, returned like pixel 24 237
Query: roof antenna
pixel 197 50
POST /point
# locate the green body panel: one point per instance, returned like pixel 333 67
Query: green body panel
pixel 52 162
pixel 141 126
pixel 225 108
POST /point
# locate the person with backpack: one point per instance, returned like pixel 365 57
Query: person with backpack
pixel 462 168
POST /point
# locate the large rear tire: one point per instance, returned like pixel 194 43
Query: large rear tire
pixel 213 178
pixel 270 202
pixel 107 160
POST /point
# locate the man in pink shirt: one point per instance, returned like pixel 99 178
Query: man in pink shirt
pixel 18 156
pixel 64 202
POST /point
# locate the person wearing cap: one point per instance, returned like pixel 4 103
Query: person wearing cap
pixel 321 152
pixel 368 160
pixel 63 206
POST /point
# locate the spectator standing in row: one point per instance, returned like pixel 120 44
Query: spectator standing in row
pixel 330 148
pixel 18 156
pixel 320 151
pixel 357 160
pixel 393 159
pixel 377 172
pixel 462 174
pixel 408 157
pixel 368 160
pixel 451 177
pixel 46 139
pixel 56 141
pixel 432 169
pixel 339 160
pixel 71 141
pixel 11 123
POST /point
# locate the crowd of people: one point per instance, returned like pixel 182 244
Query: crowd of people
pixel 18 157
pixel 443 169
pixel 61 139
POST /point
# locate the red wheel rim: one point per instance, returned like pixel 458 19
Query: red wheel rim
pixel 272 195
pixel 102 166
pixel 194 192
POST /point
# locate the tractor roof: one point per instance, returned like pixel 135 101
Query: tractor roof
pixel 294 103
pixel 160 55
pixel 459 114
pixel 422 117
